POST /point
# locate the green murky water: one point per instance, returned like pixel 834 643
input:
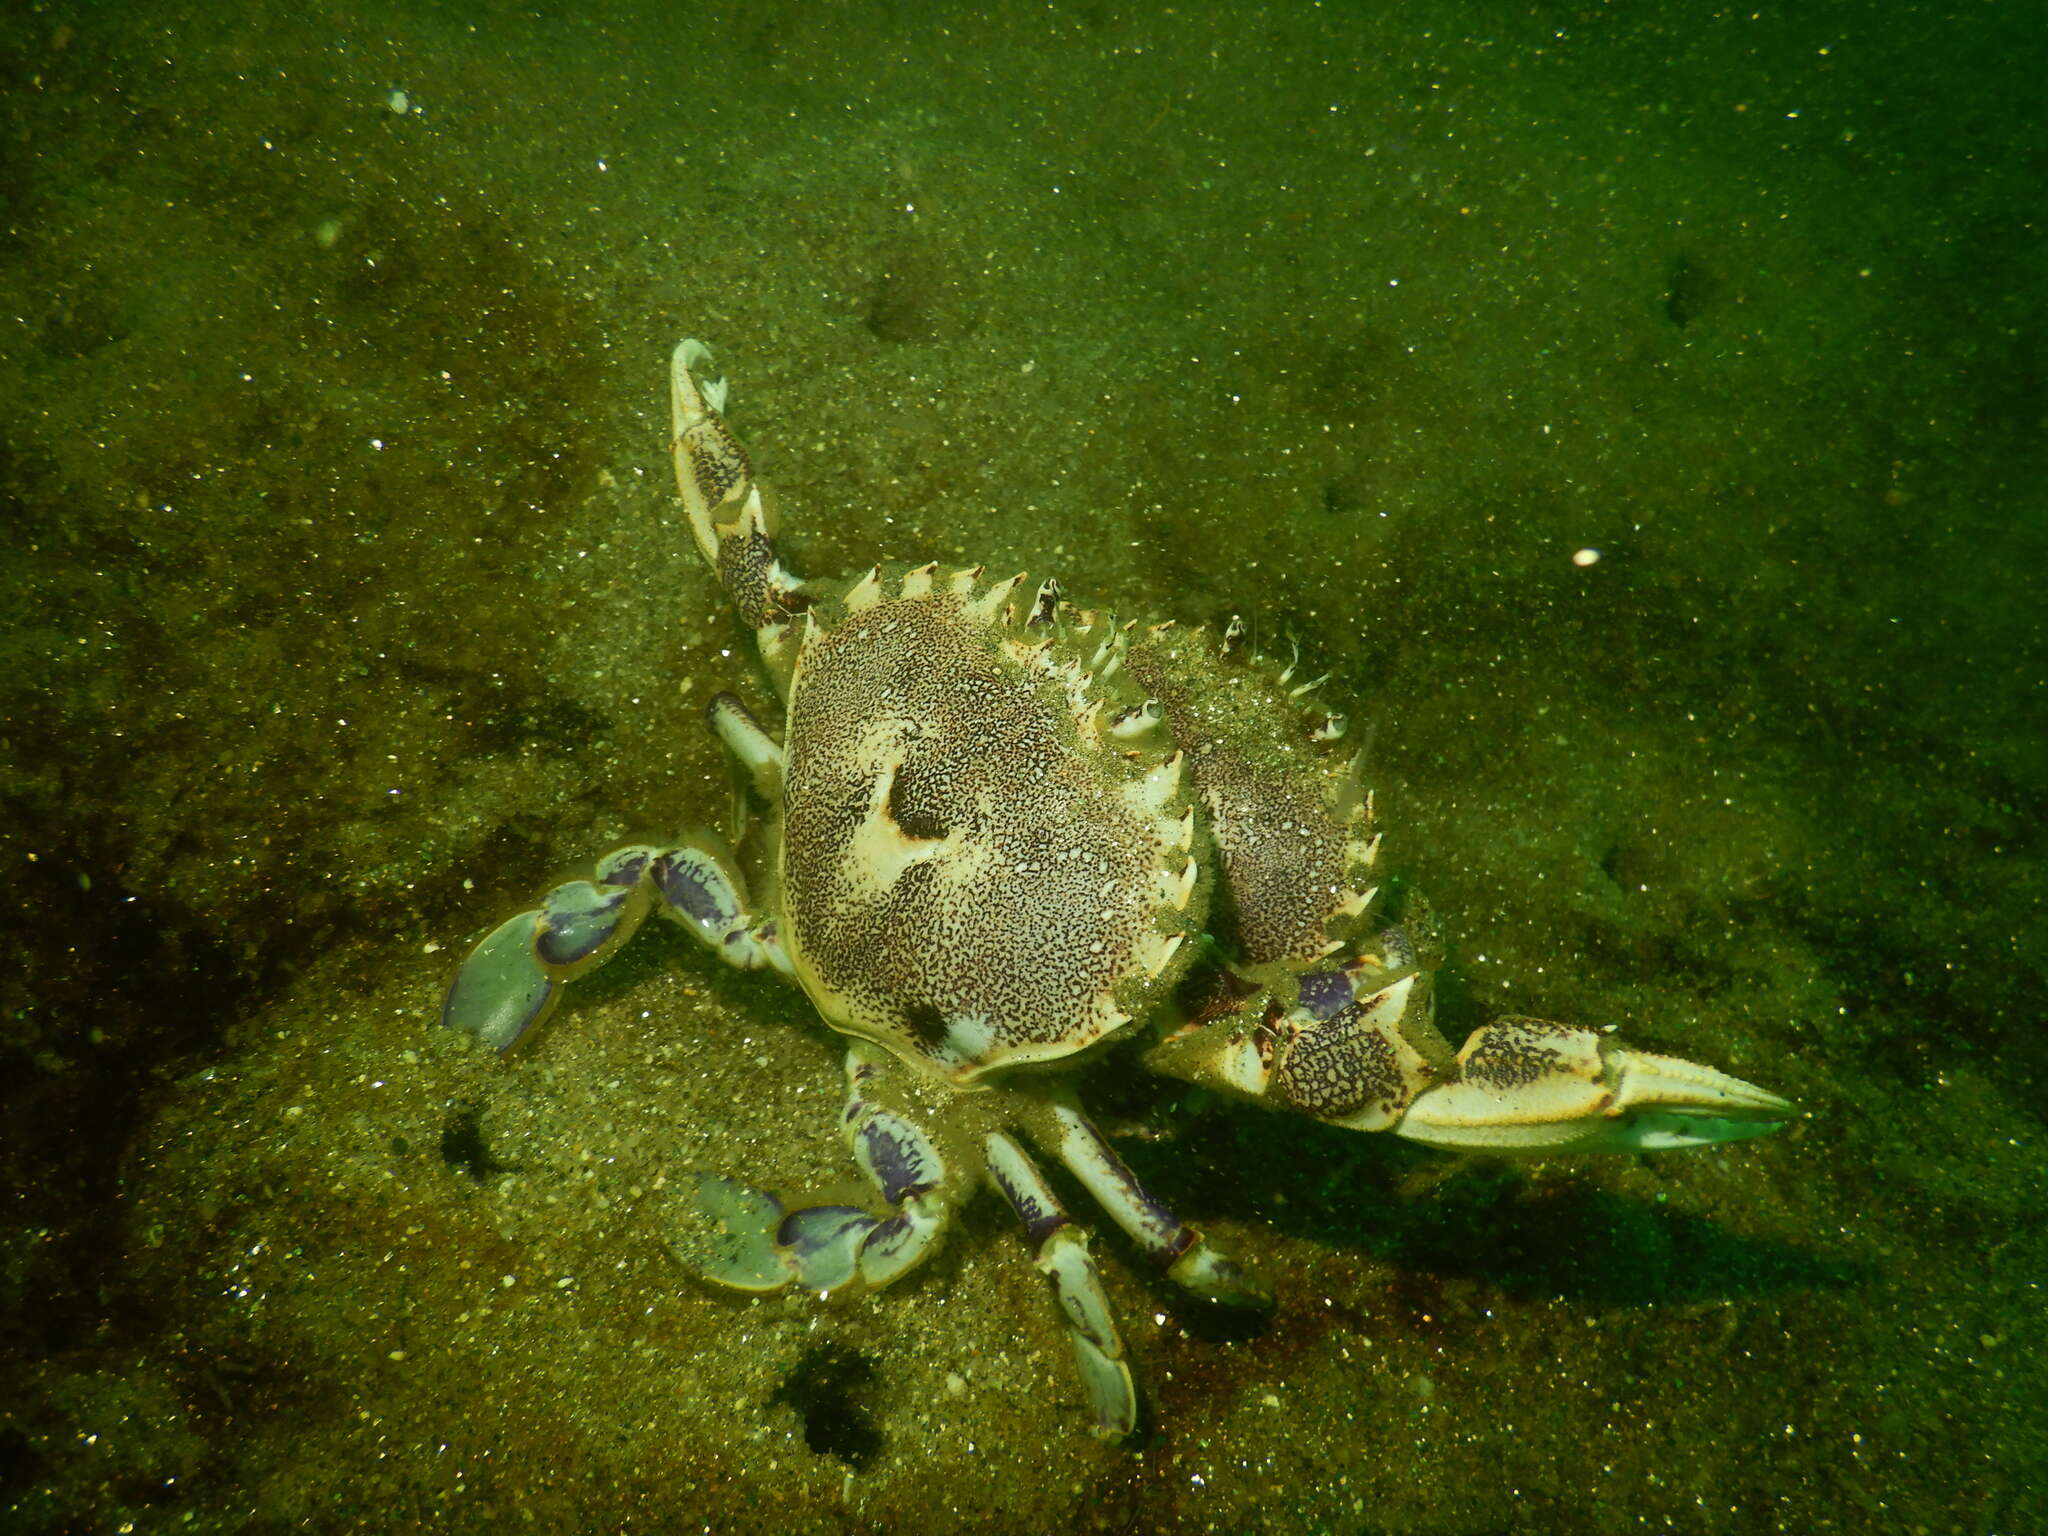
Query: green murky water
pixel 344 607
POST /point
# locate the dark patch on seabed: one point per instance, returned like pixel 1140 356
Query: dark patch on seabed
pixel 1641 423
pixel 464 1146
pixel 825 1391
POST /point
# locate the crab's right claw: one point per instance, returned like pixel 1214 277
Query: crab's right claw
pixel 1528 1085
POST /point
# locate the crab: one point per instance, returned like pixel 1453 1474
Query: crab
pixel 1001 834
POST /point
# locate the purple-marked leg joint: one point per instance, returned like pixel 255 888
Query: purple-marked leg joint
pixel 1189 1259
pixel 701 888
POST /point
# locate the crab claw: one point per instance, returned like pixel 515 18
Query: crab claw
pixel 1527 1085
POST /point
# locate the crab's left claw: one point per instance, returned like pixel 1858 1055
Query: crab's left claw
pixel 1528 1085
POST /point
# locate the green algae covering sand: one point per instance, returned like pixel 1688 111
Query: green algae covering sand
pixel 1642 423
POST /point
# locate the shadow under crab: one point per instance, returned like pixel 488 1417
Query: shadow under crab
pixel 1003 833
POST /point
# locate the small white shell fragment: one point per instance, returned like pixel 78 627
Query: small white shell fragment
pixel 398 102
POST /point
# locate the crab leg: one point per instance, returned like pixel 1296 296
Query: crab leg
pixel 748 743
pixel 746 1239
pixel 1063 1258
pixel 1189 1259
pixel 727 515
pixel 512 981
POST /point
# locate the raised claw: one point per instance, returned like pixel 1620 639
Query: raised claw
pixel 1531 1085
pixel 511 982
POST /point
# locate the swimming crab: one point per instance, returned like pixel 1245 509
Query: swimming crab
pixel 1003 833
